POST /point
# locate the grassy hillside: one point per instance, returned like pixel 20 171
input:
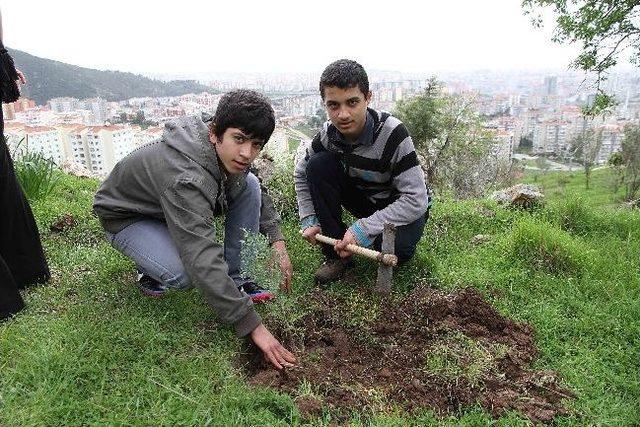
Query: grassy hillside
pixel 559 185
pixel 90 350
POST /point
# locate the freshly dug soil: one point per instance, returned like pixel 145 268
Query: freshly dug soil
pixel 428 350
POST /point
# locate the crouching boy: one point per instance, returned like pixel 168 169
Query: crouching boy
pixel 158 205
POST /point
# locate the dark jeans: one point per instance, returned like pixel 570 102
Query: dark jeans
pixel 331 189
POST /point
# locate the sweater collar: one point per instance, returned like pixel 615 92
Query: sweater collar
pixel 365 138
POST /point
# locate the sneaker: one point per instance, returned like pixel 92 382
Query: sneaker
pixel 256 292
pixel 332 270
pixel 150 286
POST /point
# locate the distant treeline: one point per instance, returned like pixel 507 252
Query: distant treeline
pixel 51 79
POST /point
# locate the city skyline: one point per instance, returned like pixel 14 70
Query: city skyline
pixel 249 36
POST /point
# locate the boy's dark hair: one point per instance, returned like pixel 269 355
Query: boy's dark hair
pixel 344 74
pixel 246 110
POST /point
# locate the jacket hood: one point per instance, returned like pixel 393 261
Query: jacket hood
pixel 190 136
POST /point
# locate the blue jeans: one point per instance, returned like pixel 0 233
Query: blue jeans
pixel 149 244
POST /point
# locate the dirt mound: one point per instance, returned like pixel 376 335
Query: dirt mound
pixel 429 350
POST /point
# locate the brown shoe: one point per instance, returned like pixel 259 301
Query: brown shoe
pixel 332 270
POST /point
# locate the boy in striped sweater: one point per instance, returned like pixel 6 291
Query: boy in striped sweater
pixel 363 160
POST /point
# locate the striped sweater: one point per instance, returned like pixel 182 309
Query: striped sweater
pixel 384 167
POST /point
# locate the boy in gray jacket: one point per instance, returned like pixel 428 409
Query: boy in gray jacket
pixel 158 204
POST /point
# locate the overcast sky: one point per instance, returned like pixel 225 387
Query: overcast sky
pixel 263 36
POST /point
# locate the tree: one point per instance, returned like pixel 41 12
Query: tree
pixel 315 122
pixel 604 28
pixel 543 164
pixel 615 162
pixel 630 151
pixel 453 146
pixel 586 145
pixel 526 143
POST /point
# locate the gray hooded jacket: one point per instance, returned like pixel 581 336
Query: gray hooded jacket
pixel 177 179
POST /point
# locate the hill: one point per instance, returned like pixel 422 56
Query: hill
pixel 562 279
pixel 50 79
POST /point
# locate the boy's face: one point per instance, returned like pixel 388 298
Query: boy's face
pixel 236 150
pixel 347 109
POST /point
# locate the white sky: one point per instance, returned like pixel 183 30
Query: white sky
pixel 289 35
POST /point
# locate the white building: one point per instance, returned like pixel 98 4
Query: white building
pixel 145 136
pixel 502 149
pixel 22 139
pixel 98 108
pixel 611 137
pixel 551 136
pixel 107 145
pixel 64 105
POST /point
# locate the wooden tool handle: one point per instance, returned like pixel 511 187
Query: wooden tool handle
pixel 386 259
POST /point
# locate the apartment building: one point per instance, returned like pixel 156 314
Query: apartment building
pixel 551 135
pixel 611 136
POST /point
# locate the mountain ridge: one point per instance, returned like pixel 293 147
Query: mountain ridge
pixel 48 78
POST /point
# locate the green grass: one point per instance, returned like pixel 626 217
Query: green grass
pixel 306 129
pixel 559 185
pixel 37 175
pixel 89 350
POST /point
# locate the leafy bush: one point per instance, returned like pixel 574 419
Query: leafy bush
pixel 281 187
pixel 37 175
pixel 547 248
pixel 257 261
pixel 575 216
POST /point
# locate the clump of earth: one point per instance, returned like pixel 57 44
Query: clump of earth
pixel 427 350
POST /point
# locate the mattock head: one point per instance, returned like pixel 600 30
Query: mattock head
pixel 385 272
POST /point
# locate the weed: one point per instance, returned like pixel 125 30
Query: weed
pixel 257 261
pixel 37 174
pixel 547 248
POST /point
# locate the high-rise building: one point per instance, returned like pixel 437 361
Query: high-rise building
pixel 610 136
pixel 107 145
pixel 63 105
pixel 551 86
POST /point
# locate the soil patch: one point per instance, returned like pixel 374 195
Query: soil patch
pixel 427 350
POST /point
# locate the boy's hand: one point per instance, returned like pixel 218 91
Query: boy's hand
pixel 309 233
pixel 273 351
pixel 285 265
pixel 341 246
pixel 21 78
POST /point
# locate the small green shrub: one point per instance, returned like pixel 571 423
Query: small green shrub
pixel 257 261
pixel 281 187
pixel 37 175
pixel 576 216
pixel 547 248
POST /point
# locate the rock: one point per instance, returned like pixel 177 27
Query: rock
pixel 263 167
pixel 485 212
pixel 479 239
pixel 385 373
pixel 76 169
pixel 633 204
pixel 520 196
pixel 63 223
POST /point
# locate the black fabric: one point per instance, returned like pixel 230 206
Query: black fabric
pixel 8 77
pixel 20 245
pixel 22 261
pixel 331 189
pixel 10 300
pixel 406 163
